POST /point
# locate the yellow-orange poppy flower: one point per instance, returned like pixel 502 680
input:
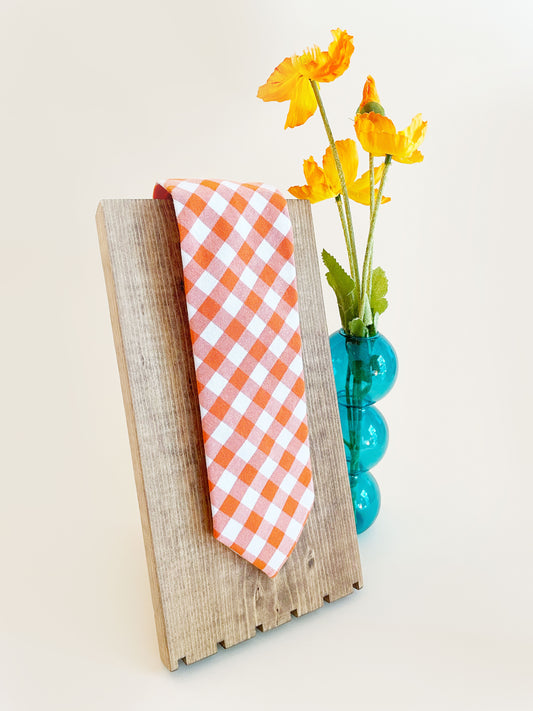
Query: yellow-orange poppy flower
pixel 290 80
pixel 378 135
pixel 324 183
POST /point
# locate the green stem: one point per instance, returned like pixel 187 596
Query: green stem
pixel 372 186
pixel 366 278
pixel 354 435
pixel 340 208
pixel 372 209
pixel 372 197
pixel 354 416
pixel 350 243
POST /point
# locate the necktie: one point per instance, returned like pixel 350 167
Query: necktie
pixel 240 285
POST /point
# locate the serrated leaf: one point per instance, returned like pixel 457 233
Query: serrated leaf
pixel 380 286
pixel 344 287
pixel 343 280
pixel 379 305
pixel 357 328
pixel 380 283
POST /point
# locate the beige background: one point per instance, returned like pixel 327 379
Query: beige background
pixel 100 100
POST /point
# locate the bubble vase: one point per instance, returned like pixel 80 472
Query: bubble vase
pixel 365 370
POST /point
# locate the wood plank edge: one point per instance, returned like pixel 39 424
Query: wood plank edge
pixel 283 619
pixel 162 635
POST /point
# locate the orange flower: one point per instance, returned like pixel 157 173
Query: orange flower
pixel 324 183
pixel 378 135
pixel 290 80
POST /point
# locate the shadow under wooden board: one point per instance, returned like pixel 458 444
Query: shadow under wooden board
pixel 203 593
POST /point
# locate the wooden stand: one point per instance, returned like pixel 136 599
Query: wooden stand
pixel 203 593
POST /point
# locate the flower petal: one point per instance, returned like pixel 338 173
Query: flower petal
pixel 414 157
pixel 302 192
pixel 349 161
pixel 281 83
pixel 415 132
pixel 313 194
pixel 369 92
pixel 409 140
pixel 363 197
pixel 337 59
pixel 360 190
pixel 317 188
pixel 376 133
pixel 303 103
pixel 312 172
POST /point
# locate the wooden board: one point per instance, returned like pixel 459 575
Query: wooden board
pixel 203 593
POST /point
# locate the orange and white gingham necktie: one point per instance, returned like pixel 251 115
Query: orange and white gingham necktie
pixel 240 285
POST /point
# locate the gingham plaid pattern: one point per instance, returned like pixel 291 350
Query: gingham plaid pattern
pixel 237 251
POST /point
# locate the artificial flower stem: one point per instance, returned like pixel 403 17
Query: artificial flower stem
pixel 354 421
pixel 366 278
pixel 340 208
pixel 352 254
pixel 372 201
pixel 372 187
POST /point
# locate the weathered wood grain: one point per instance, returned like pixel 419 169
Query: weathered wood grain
pixel 203 593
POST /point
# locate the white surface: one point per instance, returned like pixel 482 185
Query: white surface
pixel 101 99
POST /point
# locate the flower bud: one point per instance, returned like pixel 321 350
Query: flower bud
pixel 371 106
pixel 370 100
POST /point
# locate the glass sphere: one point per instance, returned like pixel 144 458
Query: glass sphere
pixel 366 499
pixel 365 369
pixel 365 435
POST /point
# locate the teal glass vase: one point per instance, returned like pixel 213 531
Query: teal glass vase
pixel 365 370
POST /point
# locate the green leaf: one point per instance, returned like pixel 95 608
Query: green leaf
pixel 344 287
pixel 380 286
pixel 357 328
pixel 380 283
pixel 379 305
